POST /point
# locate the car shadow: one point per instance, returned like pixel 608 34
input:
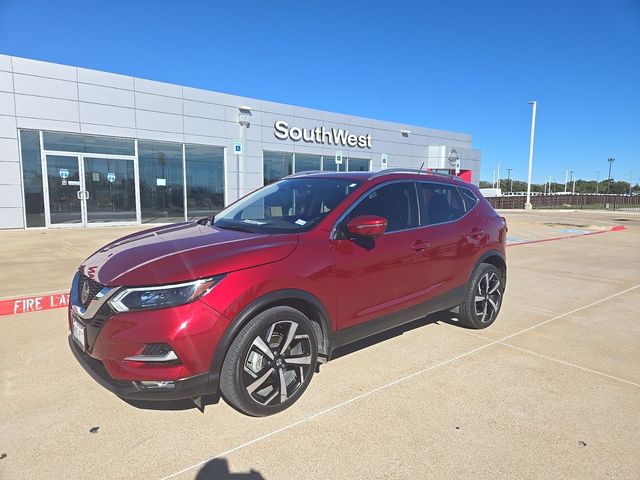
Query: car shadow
pixel 446 316
pixel 172 405
pixel 218 469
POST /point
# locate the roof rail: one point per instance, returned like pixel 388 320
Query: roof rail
pixel 390 171
pixel 306 172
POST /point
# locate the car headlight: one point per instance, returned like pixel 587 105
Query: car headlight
pixel 142 298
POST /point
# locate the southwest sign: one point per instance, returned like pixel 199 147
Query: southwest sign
pixel 331 136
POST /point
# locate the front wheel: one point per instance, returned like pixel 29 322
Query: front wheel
pixel 483 297
pixel 270 362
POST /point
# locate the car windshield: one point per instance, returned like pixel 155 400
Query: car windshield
pixel 288 206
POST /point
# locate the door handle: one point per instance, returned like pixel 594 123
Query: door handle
pixel 86 194
pixel 476 233
pixel 419 245
pixel 79 194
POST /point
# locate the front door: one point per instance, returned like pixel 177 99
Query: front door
pixel 88 190
pixel 377 277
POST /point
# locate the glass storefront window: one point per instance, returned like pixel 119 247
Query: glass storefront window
pixel 161 182
pixel 277 165
pixel 205 180
pixel 358 164
pixel 305 163
pixel 110 184
pixel 73 142
pixel 329 163
pixel 32 178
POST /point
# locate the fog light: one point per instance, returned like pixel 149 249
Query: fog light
pixel 155 385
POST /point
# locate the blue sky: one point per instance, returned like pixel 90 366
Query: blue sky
pixel 460 65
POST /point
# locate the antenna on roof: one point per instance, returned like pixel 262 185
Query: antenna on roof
pixel 421 166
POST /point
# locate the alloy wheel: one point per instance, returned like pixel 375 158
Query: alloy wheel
pixel 277 363
pixel 488 297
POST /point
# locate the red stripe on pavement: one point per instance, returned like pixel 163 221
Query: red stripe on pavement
pixel 15 306
pixel 617 228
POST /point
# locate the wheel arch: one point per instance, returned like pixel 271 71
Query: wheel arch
pixel 495 258
pixel 298 299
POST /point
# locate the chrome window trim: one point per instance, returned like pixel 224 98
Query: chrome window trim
pixel 415 181
pixel 474 196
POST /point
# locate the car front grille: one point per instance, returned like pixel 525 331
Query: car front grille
pixel 94 289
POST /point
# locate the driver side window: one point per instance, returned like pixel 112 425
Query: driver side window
pixel 396 202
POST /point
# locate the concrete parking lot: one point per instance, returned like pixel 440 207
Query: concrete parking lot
pixel 551 390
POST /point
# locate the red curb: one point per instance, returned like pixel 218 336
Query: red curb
pixel 616 228
pixel 16 306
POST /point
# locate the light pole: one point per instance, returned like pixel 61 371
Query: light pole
pixel 509 181
pixel 597 182
pixel 566 176
pixel 630 182
pixel 573 190
pixel 527 205
pixel 610 160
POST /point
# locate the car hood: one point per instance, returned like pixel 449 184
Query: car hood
pixel 183 252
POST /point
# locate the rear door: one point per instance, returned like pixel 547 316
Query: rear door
pixel 453 232
pixel 379 276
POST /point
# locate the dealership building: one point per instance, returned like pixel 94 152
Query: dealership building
pixel 82 148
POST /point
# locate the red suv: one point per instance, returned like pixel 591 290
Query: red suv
pixel 249 303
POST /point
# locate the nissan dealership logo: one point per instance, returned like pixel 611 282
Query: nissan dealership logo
pixel 453 157
pixel 330 136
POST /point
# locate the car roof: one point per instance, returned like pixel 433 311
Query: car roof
pixel 390 174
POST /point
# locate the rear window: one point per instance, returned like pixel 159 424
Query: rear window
pixel 469 198
pixel 439 203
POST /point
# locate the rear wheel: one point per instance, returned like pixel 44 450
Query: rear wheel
pixel 483 297
pixel 270 362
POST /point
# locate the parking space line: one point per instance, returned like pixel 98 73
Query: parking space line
pixel 570 364
pixel 396 382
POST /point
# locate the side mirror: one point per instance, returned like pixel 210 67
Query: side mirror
pixel 367 226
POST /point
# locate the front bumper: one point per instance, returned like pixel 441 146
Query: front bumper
pixel 191 387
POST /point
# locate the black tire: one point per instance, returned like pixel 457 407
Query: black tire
pixel 483 297
pixel 257 366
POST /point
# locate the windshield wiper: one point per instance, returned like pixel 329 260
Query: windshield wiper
pixel 238 228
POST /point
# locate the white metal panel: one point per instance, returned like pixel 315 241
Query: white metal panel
pixel 107 115
pixel 10 173
pixel 11 217
pixel 45 87
pixel 50 108
pixel 44 69
pixel 7 105
pixel 6 82
pixel 8 127
pixel 106 95
pixel 158 103
pixel 105 79
pixel 9 149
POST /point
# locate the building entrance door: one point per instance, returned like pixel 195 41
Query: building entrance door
pixel 89 190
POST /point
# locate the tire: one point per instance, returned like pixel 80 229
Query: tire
pixel 483 297
pixel 270 362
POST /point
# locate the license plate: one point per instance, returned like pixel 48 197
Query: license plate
pixel 78 332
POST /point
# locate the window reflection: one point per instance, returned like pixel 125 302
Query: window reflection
pixel 205 180
pixel 32 178
pixel 277 165
pixel 161 182
pixel 73 142
pixel 305 163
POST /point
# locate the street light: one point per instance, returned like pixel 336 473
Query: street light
pixel 527 205
pixel 610 160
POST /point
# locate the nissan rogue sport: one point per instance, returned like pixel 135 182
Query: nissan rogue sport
pixel 249 302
